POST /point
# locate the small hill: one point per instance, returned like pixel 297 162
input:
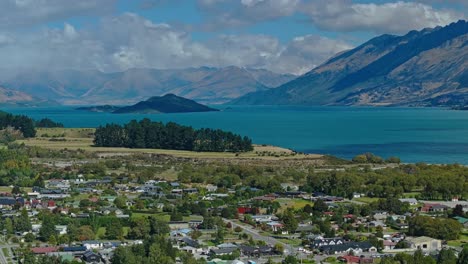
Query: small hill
pixel 168 103
pixel 99 108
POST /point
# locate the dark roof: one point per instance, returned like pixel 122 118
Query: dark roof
pixel 73 249
pixel 219 251
pixel 88 254
pixel 191 242
pixel 343 247
pixel 7 201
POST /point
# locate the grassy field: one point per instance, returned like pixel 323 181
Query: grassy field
pixel 7 189
pixel 81 138
pixel 160 216
pixel 6 253
pixel 463 240
pixel 366 199
pixel 294 203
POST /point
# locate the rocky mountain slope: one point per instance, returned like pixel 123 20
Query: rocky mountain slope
pixel 424 68
pixel 207 85
pixel 10 97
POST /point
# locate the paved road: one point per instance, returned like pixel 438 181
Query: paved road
pixel 257 236
pixel 3 258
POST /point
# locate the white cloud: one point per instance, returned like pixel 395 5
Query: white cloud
pixel 307 52
pixel 394 17
pixel 334 15
pixel 128 41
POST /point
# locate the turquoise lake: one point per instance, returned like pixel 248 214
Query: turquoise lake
pixel 430 135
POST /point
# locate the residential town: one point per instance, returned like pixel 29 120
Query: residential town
pixel 84 219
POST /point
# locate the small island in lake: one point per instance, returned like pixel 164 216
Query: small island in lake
pixel 99 108
pixel 168 103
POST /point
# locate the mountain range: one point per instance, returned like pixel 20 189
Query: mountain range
pixel 204 84
pixel 421 68
pixel 9 97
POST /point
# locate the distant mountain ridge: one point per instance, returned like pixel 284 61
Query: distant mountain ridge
pixel 10 97
pixel 204 84
pixel 421 68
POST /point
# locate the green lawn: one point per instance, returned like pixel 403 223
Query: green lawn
pixel 160 216
pixel 100 234
pixel 294 203
pixel 411 194
pixel 366 199
pixel 293 242
pixel 463 240
pixel 6 253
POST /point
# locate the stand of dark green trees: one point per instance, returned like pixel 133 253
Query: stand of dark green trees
pixel 156 135
pixel 48 123
pixel 18 122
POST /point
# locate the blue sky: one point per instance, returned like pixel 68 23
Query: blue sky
pixel 290 36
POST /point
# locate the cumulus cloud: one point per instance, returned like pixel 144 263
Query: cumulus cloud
pixel 394 17
pixel 16 13
pixel 335 15
pixel 130 41
pixel 307 52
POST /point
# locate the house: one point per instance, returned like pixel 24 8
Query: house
pixel 60 184
pixel 190 190
pixel 248 210
pixel 181 232
pixel 377 223
pixel 380 215
pixel 289 187
pixel 275 226
pixel 424 243
pixel 190 242
pixel 389 245
pixel 350 248
pixel 433 208
pixel 262 218
pixel 61 229
pixel 91 257
pixel 221 251
pixel 318 242
pixel 174 184
pixel 395 218
pixel 211 188
pixel 74 249
pixel 411 201
pixel 92 244
pixel 109 210
pixel 43 250
pixel 266 198
pixel 150 183
pixel 7 202
pixel 250 251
